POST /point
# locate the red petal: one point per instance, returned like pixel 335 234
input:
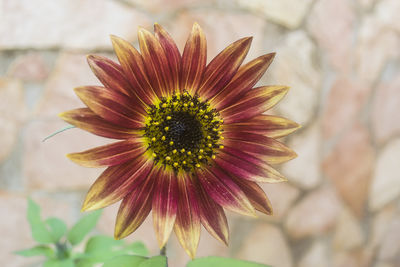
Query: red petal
pixel 165 205
pixel 109 73
pixel 187 224
pixel 194 60
pixel 111 106
pixel 268 149
pixel 156 63
pixel 246 77
pixel 134 69
pixel 271 126
pixel 135 207
pixel 212 216
pixel 255 194
pixel 254 103
pixel 221 69
pixel 109 155
pixel 172 53
pixel 87 120
pixel 247 166
pixel 225 192
pixel 116 182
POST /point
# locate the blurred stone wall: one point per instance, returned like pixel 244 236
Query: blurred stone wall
pixel 341 206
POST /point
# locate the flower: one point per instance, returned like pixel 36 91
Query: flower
pixel 194 139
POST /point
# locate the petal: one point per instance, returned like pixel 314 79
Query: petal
pixel 116 182
pixel 222 68
pixel 271 126
pixel 268 149
pixel 246 77
pixel 247 166
pixel 109 73
pixel 212 216
pixel 165 206
pixel 156 63
pixel 194 60
pixel 87 120
pixel 254 103
pixel 111 106
pixel 187 224
pixel 134 69
pixel 172 53
pixel 255 194
pixel 135 207
pixel 109 155
pixel 224 191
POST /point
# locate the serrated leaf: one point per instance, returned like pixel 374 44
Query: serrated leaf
pixel 40 250
pixel 78 232
pixel 157 261
pixel 40 233
pixel 57 228
pixel 137 248
pixel 125 260
pixel 59 263
pixel 222 262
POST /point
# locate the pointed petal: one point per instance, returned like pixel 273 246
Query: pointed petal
pixel 116 182
pixel 224 191
pixel 246 77
pixel 109 73
pixel 109 155
pixel 111 106
pixel 221 69
pixel 156 63
pixel 135 207
pixel 194 60
pixel 172 53
pixel 165 206
pixel 134 69
pixel 255 102
pixel 271 126
pixel 212 215
pixel 255 194
pixel 265 148
pixel 187 224
pixel 247 166
pixel 87 120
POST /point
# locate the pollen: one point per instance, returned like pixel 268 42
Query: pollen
pixel 183 123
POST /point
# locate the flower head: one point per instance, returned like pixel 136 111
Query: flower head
pixel 193 137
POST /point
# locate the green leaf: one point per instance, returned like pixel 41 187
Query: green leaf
pixel 125 261
pixel 59 263
pixel 36 251
pixel 137 248
pixel 83 227
pixel 57 228
pixel 103 243
pixel 157 261
pixel 40 233
pixel 222 262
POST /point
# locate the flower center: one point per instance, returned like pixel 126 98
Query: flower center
pixel 183 132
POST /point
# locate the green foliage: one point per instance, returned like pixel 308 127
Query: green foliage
pixel 125 260
pixel 157 261
pixel 83 227
pixel 58 244
pixel 57 228
pixel 40 233
pixel 222 262
pixel 37 251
